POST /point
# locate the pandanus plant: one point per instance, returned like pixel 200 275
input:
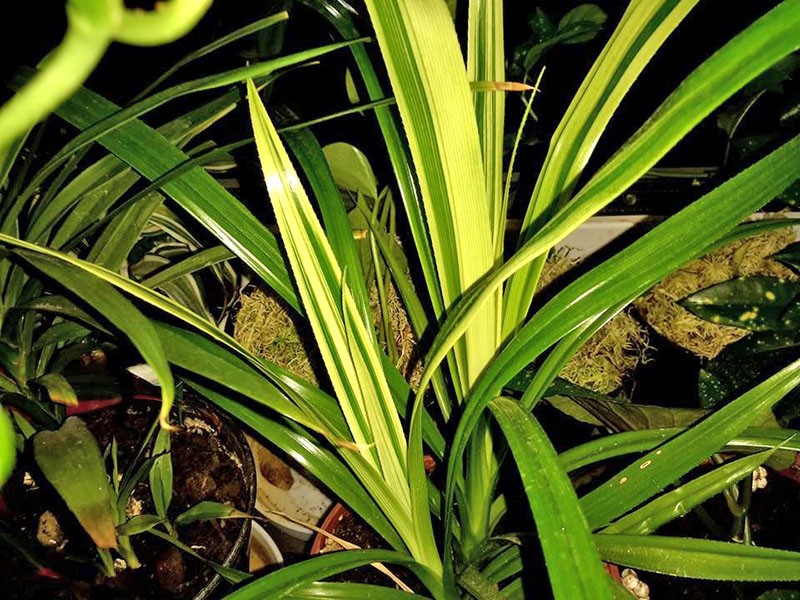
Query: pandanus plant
pixel 365 434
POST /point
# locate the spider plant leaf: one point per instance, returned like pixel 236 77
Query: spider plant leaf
pixel 699 559
pixel 756 303
pixel 118 311
pixel 658 468
pixel 62 332
pixel 643 29
pixel 573 564
pixel 313 163
pixel 139 524
pixel 8 446
pixel 204 358
pixel 420 48
pixel 196 191
pixel 216 44
pixel 207 510
pixel 230 574
pixel 486 62
pixel 101 127
pixel 121 234
pixel 349 352
pixel 680 501
pixel 283 582
pixel 763 43
pixel 71 461
pixel 196 262
pixel 339 14
pixel 752 439
pixel 309 454
pixel 351 591
pixel 678 240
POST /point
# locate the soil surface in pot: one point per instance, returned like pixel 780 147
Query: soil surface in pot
pixel 352 529
pixel 207 465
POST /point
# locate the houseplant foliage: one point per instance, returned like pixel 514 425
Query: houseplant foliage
pixel 366 441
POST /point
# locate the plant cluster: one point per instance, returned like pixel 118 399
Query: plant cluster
pixel 491 351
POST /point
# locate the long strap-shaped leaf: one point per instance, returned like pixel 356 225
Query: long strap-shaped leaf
pixel 196 191
pixel 750 53
pixel 351 357
pixel 420 48
pixel 486 62
pixel 662 466
pixel 314 457
pixel 642 30
pixel 699 559
pixel 572 561
pixel 281 583
pixel 750 440
pixel 121 313
pixel 624 276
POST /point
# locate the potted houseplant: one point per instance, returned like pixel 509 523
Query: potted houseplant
pixel 366 441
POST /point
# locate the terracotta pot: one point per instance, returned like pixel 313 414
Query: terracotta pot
pixel 330 524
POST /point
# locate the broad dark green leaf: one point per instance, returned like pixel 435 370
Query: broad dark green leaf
pixel 572 561
pixel 70 459
pixel 756 303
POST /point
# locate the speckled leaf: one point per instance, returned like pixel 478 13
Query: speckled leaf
pixel 780 595
pixel 71 461
pixel 754 303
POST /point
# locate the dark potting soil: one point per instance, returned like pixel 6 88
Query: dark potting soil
pixel 352 529
pixel 206 467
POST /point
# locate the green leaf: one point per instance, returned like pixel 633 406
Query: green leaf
pixel 351 169
pixel 139 524
pixel 113 306
pixel 657 469
pixel 58 388
pixel 756 303
pixel 572 562
pixel 355 591
pixel 8 446
pixel 644 27
pixel 205 511
pixel 230 574
pixel 196 191
pixel 420 48
pixel 790 255
pixel 699 559
pixel 283 582
pixel 161 474
pixel 62 332
pixel 582 23
pixel 71 461
pixel 682 500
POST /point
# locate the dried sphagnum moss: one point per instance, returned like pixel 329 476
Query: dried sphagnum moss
pixel 268 328
pixel 660 308
pixel 608 359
